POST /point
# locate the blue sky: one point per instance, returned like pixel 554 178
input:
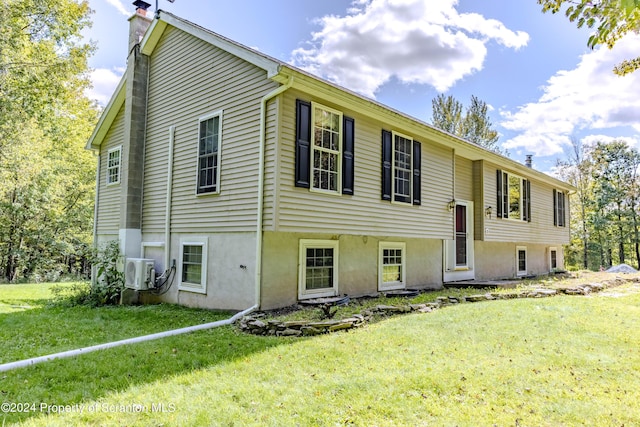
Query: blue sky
pixel 544 86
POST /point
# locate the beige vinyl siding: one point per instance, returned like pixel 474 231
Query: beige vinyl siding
pixel 464 179
pixel 539 230
pixel 189 79
pixel 109 195
pixel 302 210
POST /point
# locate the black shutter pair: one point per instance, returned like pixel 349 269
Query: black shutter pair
pixel 558 208
pixel 303 149
pixel 502 184
pixel 387 162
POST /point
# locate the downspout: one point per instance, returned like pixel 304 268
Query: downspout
pixel 263 122
pixel 65 354
pixel 167 213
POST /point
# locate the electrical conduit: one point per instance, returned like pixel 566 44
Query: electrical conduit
pixel 65 354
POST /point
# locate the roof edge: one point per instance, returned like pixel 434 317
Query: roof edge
pixel 107 117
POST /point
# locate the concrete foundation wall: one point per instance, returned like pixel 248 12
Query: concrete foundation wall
pixel 497 260
pixel 230 271
pixel 357 265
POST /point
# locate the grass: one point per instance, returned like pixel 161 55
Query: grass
pixel 531 362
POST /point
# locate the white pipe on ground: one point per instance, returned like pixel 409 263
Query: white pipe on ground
pixel 28 362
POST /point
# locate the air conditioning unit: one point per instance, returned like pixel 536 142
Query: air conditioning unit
pixel 139 274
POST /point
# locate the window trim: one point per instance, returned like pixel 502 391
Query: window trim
pixel 395 134
pixel 219 114
pixel 119 166
pixel 526 261
pixel 504 207
pixel 200 288
pixel 339 153
pixel 551 267
pixel 305 244
pixel 401 284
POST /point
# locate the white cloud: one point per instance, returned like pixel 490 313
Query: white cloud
pixel 589 97
pixel 104 83
pixel 120 7
pixel 416 41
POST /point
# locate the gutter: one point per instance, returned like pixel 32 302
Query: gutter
pixel 65 354
pixel 259 221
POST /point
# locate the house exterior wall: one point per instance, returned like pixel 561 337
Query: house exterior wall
pixel 190 79
pixel 357 264
pixel 539 231
pixel 108 209
pixel 364 213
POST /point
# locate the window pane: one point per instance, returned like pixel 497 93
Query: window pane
pixel 391 265
pixel 326 150
pixel 192 264
pixel 402 169
pixel 319 268
pixel 522 260
pixel 208 155
pixel 515 197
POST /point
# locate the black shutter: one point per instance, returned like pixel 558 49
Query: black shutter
pixel 505 195
pixel 348 133
pixel 555 207
pixel 387 153
pixel 499 186
pixel 561 214
pixel 303 144
pixel 417 184
pixel 527 206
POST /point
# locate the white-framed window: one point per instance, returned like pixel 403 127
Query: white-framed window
pixel 192 269
pixel 318 268
pixel 553 259
pixel 402 168
pixel 514 197
pixel 114 160
pixel 391 265
pixel 521 260
pixel 326 149
pixel 209 153
pixel 559 209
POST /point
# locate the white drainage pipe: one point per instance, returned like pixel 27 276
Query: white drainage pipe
pixel 28 362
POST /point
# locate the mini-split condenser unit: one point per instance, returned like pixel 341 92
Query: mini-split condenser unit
pixel 139 274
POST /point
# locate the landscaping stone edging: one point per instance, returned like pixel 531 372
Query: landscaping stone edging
pixel 254 324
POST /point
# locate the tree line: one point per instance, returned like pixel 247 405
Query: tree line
pixel 47 191
pixel 605 227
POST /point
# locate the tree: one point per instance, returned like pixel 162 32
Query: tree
pixel 47 178
pixel 612 19
pixel 474 126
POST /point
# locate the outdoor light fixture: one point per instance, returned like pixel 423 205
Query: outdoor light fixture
pixel 452 204
pixel 487 212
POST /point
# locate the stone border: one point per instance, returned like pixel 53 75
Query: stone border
pixel 253 323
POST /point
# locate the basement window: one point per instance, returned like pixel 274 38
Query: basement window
pixel 318 275
pixel 193 265
pixel 521 260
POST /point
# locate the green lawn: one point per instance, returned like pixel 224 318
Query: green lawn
pixel 567 360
